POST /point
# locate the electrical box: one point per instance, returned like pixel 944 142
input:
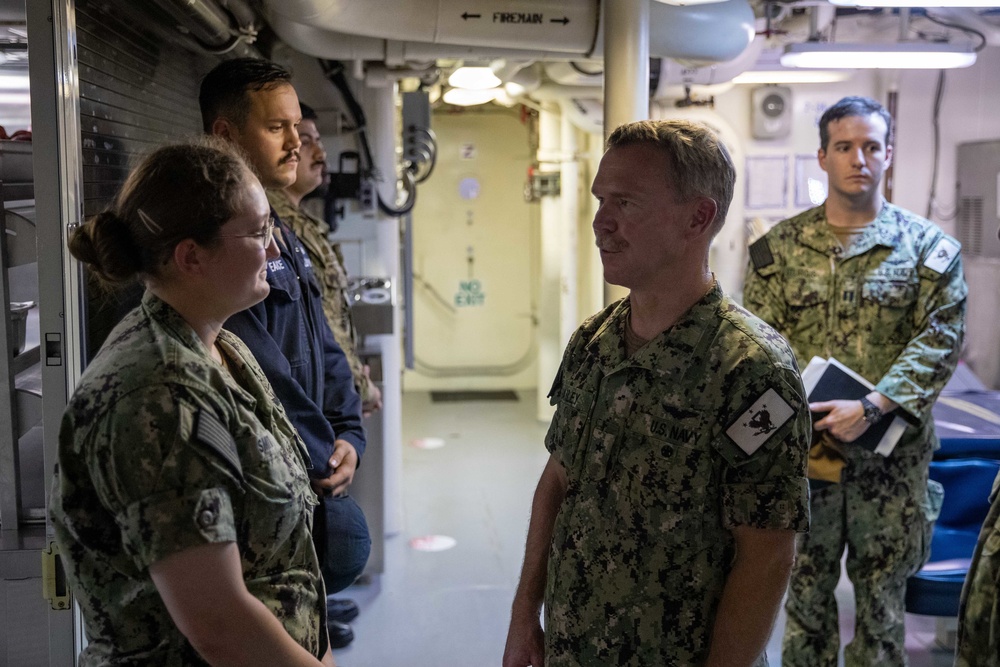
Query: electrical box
pixel 771 112
pixel 978 205
pixel 417 135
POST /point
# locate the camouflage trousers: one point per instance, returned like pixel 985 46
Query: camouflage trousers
pixel 979 614
pixel 882 515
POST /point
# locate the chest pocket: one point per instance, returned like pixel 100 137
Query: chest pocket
pixel 888 305
pixel 276 502
pixel 807 297
pixel 287 323
pixel 663 484
pixel 568 428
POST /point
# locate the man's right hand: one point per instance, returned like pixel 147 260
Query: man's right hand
pixel 525 643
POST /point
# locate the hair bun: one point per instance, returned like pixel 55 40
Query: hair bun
pixel 105 244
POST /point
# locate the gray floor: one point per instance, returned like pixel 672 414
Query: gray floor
pixel 449 608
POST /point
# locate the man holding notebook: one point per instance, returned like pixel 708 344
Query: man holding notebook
pixel 880 290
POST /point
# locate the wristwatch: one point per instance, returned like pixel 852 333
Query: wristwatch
pixel 872 414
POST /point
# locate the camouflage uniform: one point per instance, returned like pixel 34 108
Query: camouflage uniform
pixel 979 615
pixel 161 450
pixel 891 307
pixel 328 267
pixel 703 429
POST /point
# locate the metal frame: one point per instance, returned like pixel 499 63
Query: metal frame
pixel 10 482
pixel 55 115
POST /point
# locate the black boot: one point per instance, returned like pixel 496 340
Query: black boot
pixel 342 610
pixel 340 634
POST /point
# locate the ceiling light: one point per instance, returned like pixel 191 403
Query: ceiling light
pixel 900 55
pixel 473 78
pixel 14 82
pixel 682 3
pixel 15 98
pixel 464 97
pixel 912 3
pixel 757 77
pixel 514 89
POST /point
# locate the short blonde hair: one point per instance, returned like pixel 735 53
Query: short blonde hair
pixel 698 164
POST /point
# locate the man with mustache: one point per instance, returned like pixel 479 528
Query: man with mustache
pixel 663 526
pixel 328 268
pixel 881 290
pixel 252 103
pixel 327 261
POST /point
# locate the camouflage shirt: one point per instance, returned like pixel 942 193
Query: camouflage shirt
pixel 702 429
pixel 891 307
pixel 160 449
pixel 979 620
pixel 328 267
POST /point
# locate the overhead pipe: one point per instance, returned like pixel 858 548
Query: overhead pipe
pixel 209 25
pixel 559 25
pixel 549 338
pixel 242 12
pixel 323 43
pixel 672 73
pixel 700 34
pixel 968 18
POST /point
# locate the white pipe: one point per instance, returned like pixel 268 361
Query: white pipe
pixel 379 104
pixel 700 34
pixel 569 199
pixel 626 80
pixel 322 43
pixel 559 25
pixel 673 73
pixel 549 343
pixel 626 62
pixel 345 30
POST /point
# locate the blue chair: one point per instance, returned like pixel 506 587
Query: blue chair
pixel 968 424
pixel 935 590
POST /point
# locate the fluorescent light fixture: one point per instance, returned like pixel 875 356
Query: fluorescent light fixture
pixel 757 77
pixel 14 82
pixel 15 98
pixel 900 55
pixel 473 78
pixel 464 97
pixel 914 3
pixel 682 3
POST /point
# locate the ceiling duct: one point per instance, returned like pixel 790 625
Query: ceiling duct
pixel 526 29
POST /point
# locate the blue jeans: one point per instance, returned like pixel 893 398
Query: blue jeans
pixel 340 533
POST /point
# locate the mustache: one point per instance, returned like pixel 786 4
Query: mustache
pixel 292 155
pixel 609 245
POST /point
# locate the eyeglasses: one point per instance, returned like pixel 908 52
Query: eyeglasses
pixel 265 235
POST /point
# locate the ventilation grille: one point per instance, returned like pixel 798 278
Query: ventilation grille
pixel 138 89
pixel 969 226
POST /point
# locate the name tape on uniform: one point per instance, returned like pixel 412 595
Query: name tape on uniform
pixel 944 253
pixel 753 428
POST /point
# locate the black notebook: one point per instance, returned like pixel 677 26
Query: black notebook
pixel 828 380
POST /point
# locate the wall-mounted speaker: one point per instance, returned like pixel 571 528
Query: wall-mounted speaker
pixel 771 112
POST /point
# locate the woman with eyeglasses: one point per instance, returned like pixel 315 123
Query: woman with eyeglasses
pixel 181 504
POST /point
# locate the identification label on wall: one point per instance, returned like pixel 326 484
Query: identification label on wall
pixel 470 293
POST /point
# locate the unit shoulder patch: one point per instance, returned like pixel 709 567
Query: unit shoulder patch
pixel 944 253
pixel 760 421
